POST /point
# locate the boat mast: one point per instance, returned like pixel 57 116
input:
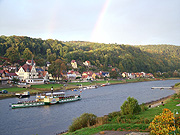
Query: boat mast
pixel 52 91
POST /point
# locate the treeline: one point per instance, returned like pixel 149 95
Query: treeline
pixel 127 58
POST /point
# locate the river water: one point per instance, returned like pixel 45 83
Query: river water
pixel 49 120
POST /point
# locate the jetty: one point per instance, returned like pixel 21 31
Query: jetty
pixel 161 88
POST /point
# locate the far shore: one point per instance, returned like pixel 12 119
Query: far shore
pixel 34 91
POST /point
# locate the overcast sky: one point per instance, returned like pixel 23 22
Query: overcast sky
pixel 134 22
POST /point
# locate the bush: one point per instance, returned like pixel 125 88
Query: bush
pixel 130 107
pixel 84 120
pixel 143 107
pixel 101 120
pixel 113 114
pixel 177 84
pixel 163 123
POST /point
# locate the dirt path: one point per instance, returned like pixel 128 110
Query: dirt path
pixel 121 133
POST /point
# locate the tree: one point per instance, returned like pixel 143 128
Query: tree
pixel 27 54
pixel 163 123
pixel 114 74
pixel 50 57
pixel 57 68
pixel 13 54
pixel 130 107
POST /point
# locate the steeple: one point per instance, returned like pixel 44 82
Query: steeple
pixel 32 63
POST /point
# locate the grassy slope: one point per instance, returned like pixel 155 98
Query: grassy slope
pixel 114 125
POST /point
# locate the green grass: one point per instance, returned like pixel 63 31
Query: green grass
pixel 130 123
pixel 14 89
pixel 47 86
pixel 109 127
pixel 79 83
pixel 150 113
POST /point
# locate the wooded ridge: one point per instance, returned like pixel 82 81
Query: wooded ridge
pixel 129 58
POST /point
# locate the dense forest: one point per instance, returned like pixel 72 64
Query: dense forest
pixel 147 58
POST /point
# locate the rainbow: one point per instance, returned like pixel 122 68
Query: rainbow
pixel 96 29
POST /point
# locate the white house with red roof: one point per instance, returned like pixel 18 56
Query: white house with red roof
pixel 72 75
pixel 87 75
pixel 29 74
pixel 87 63
pixel 74 64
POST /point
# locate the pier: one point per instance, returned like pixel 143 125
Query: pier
pixel 161 88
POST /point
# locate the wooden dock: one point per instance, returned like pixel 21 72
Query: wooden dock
pixel 161 88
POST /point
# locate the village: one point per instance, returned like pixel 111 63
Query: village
pixel 30 73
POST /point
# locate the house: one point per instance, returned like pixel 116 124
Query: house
pixel 29 74
pixel 12 75
pixel 4 77
pixel 124 74
pixel 96 75
pixel 72 75
pixel 73 64
pixel 48 63
pixel 87 63
pixel 104 74
pixel 87 75
pixel 131 75
pixel 150 75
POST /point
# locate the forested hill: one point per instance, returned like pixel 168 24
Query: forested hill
pixel 168 50
pixel 151 58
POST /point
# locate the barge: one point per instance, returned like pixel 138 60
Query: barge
pixel 47 99
pixel 23 95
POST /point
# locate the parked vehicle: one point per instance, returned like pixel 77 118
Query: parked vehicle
pixel 4 91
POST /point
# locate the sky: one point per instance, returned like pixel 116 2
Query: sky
pixel 133 22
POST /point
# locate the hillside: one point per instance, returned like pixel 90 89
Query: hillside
pixel 127 58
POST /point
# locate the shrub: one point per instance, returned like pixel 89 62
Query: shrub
pixel 143 107
pixel 101 120
pixel 113 114
pixel 177 84
pixel 130 106
pixel 163 123
pixel 84 120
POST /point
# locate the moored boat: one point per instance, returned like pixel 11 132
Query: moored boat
pixel 23 95
pixel 47 99
pixel 26 104
pixel 106 84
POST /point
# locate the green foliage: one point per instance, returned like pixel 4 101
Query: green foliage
pixel 57 68
pixel 114 74
pixel 113 114
pixel 177 84
pixel 130 107
pixel 27 54
pixel 143 107
pixel 102 56
pixel 84 120
pixel 13 54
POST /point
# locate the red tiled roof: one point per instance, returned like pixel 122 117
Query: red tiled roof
pixel 25 67
pixel 1 71
pixel 73 61
pixel 29 61
pixel 12 74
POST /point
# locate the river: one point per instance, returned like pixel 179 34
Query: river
pixel 49 120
